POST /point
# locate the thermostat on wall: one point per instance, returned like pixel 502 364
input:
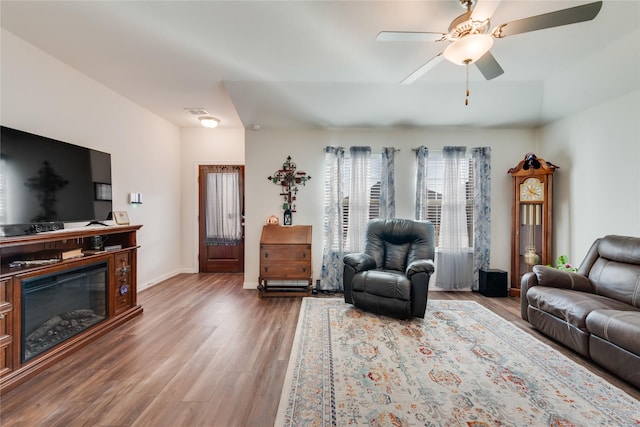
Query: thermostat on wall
pixel 135 198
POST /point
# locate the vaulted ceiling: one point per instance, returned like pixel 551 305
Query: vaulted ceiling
pixel 318 64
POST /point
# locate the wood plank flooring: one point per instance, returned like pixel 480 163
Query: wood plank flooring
pixel 205 352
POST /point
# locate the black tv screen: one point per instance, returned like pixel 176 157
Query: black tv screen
pixel 43 180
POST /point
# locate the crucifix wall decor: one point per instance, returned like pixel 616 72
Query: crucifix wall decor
pixel 288 177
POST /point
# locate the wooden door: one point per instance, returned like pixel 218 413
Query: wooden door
pixel 219 253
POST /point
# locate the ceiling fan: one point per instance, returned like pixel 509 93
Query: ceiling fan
pixel 471 38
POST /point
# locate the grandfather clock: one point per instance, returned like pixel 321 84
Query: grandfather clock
pixel 531 216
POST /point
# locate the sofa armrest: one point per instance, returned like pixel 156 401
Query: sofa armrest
pixel 420 266
pixel 360 262
pixel 528 280
pixel 353 264
pixel 554 278
pixel 419 273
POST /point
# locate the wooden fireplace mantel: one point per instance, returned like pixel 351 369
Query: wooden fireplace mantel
pixel 121 290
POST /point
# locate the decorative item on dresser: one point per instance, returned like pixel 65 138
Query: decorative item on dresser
pixel 531 216
pixel 121 217
pixel 289 178
pixel 285 257
pixel 51 306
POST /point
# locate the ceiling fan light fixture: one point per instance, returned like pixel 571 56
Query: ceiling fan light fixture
pixel 209 122
pixel 468 49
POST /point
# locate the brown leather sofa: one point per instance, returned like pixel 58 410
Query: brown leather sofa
pixel 595 311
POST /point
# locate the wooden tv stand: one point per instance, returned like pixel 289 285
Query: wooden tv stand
pixel 121 304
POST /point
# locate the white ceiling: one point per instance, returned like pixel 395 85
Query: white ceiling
pixel 317 63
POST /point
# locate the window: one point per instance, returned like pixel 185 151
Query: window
pixel 435 188
pixel 373 185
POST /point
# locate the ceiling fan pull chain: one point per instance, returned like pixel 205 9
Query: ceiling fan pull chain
pixel 466 100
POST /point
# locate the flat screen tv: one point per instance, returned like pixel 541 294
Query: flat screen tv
pixel 45 183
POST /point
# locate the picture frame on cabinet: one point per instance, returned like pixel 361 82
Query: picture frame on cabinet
pixel 121 217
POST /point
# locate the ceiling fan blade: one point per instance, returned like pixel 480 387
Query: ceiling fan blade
pixel 484 9
pixel 488 66
pixel 408 36
pixel 422 70
pixel 558 18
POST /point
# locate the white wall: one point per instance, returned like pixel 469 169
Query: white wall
pixel 597 187
pixel 42 95
pixel 266 150
pixel 200 146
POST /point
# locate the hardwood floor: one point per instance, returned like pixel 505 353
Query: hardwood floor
pixel 205 352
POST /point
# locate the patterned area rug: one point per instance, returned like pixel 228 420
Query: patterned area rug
pixel 460 366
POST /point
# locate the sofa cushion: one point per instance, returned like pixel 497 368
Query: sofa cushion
pixel 395 256
pixel 623 249
pixel 418 234
pixel 383 283
pixel 621 328
pixel 383 292
pixel 617 280
pixel 571 306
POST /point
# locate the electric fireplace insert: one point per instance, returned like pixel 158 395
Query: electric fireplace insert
pixel 57 306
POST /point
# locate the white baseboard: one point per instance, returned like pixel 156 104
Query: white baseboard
pixel 153 282
pixel 159 279
pixel 250 285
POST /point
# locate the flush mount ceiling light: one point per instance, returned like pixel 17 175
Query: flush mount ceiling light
pixel 209 122
pixel 203 115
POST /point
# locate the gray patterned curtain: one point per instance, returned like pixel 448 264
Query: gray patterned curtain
pixel 421 183
pixel 333 251
pixel 481 157
pixel 387 184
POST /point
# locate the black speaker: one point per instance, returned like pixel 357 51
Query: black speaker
pixel 46 226
pixel 493 283
pixel 22 229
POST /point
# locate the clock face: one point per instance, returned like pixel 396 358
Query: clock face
pixel 531 190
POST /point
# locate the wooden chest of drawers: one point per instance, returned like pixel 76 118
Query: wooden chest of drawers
pixel 285 258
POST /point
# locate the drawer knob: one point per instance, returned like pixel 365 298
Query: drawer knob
pixel 266 254
pixel 304 255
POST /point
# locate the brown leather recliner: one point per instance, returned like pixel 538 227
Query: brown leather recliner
pixel 392 276
pixel 595 311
